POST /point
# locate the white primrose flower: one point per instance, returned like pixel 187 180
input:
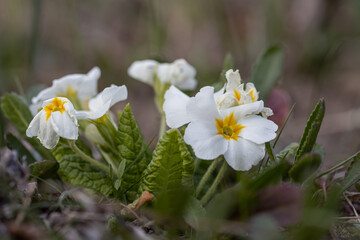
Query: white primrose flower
pixel 179 73
pixel 100 104
pixel 237 133
pixel 238 93
pixel 80 86
pixel 56 119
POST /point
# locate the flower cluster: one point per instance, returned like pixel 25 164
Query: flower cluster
pixel 179 73
pixel 59 118
pixel 227 123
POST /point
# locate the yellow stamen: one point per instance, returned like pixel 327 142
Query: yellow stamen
pixel 228 127
pixel 56 105
pixel 237 95
pixel 252 95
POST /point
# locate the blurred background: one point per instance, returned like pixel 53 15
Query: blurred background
pixel 44 40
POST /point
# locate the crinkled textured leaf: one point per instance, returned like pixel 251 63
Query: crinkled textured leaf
pixel 311 131
pixel 79 172
pixel 16 144
pixel 133 147
pixel 306 167
pixel 44 169
pixel 288 151
pixel 171 167
pixel 352 175
pixel 267 71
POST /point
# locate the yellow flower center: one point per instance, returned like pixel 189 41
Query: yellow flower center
pixel 237 95
pixel 252 95
pixel 228 127
pixel 56 105
pixel 71 92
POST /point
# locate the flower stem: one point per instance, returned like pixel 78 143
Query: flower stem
pixel 216 182
pixel 162 124
pixel 206 176
pixel 87 158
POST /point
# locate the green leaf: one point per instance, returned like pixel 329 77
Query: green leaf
pixel 133 150
pixel 44 169
pixel 352 175
pixel 306 167
pixel 171 167
pixel 271 175
pixel 288 151
pixel 194 213
pixel 16 144
pixel 270 152
pixel 79 172
pixel 16 111
pixel 311 131
pixel 268 70
pixel 121 169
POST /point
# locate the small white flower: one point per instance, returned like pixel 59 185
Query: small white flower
pixel 179 73
pixel 100 104
pixel 143 70
pixel 56 119
pixel 238 93
pixel 80 86
pixel 237 133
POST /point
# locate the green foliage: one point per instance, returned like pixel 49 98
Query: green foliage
pixel 352 175
pixel 271 175
pixel 134 150
pixel 17 111
pixel 228 64
pixel 268 70
pixel 79 172
pixel 171 167
pixel 270 152
pixel 44 169
pixel 16 144
pixel 311 131
pixel 306 167
pixel 287 152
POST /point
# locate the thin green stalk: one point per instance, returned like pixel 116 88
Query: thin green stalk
pixel 196 163
pixel 216 182
pixel 337 165
pixel 206 176
pixel 162 124
pixel 87 158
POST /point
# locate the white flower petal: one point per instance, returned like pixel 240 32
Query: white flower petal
pixel 188 84
pixel 47 93
pixel 204 140
pixel 34 125
pixel 179 73
pixel 220 92
pixel 63 125
pixel 258 129
pixel 47 135
pixel 175 107
pixel 202 107
pixel 143 70
pixel 233 80
pixel 244 110
pixel 34 108
pixel 242 154
pixel 100 104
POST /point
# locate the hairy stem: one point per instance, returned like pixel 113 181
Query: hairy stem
pixel 216 182
pixel 206 176
pixel 88 158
